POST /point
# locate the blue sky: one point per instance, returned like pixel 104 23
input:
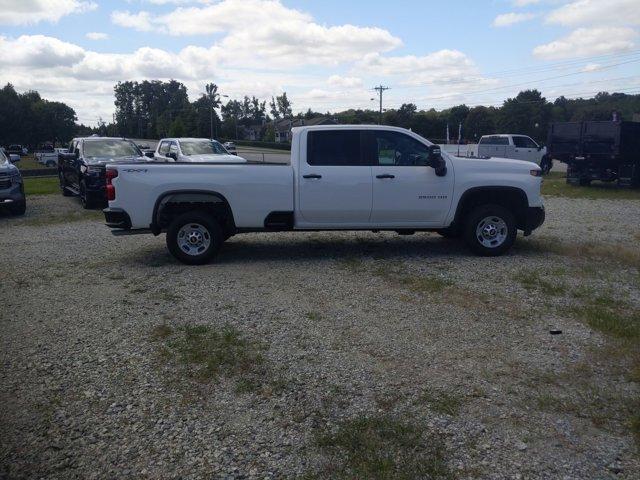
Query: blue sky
pixel 326 54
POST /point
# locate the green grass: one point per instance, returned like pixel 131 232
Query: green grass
pixel 30 163
pixel 618 322
pixel 208 352
pixel 41 185
pixel 430 284
pixel 441 402
pixel 533 280
pixel 382 447
pixel 555 185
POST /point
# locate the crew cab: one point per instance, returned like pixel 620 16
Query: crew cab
pixel 82 171
pixel 341 178
pixel 193 150
pixel 519 147
pixel 12 196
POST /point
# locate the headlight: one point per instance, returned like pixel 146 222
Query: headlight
pixel 536 173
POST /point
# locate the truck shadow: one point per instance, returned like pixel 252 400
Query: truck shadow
pixel 243 249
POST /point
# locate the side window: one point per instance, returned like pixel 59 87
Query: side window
pixel 334 147
pixel 164 148
pixel 524 142
pixel 398 149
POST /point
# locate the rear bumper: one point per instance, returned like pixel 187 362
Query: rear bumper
pixel 117 218
pixel 534 217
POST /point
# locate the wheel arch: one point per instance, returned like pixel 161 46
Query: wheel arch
pixel 173 203
pixel 512 198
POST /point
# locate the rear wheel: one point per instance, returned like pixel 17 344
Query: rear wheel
pixel 490 230
pixel 86 202
pixel 194 238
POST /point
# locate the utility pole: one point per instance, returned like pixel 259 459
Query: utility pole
pixel 380 89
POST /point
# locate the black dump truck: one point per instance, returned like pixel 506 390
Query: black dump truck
pixel 605 151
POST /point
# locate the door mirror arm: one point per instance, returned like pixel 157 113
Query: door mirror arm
pixel 436 161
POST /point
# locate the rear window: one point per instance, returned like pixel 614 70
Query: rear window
pixel 494 141
pixel 334 147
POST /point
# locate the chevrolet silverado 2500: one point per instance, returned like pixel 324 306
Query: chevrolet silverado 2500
pixel 341 178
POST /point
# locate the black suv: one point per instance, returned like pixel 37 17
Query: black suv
pixel 11 187
pixel 82 170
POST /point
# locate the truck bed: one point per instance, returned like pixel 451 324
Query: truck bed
pixel 255 190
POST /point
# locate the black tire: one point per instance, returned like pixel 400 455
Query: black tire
pixel 584 182
pixel 50 164
pixel 19 209
pixel 63 187
pixel 496 219
pixel 449 232
pixel 210 228
pixel 546 164
pixel 87 203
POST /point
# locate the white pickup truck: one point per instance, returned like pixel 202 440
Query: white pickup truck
pixel 519 147
pixel 341 178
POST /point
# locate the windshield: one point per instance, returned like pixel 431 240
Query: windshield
pixel 110 148
pixel 201 147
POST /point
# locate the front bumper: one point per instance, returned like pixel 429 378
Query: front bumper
pixel 117 218
pixel 534 217
pixel 13 195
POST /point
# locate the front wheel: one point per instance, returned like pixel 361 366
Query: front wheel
pixel 194 238
pixel 546 164
pixel 19 209
pixel 490 230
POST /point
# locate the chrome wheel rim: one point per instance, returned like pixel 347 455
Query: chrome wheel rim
pixel 194 239
pixel 492 232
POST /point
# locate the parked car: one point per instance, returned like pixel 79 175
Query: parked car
pixel 12 195
pixel 82 170
pixel 519 147
pixel 231 148
pixel 605 151
pixel 340 178
pixel 193 150
pixel 17 150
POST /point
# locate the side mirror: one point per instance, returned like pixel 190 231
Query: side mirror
pixel 436 161
pixel 150 154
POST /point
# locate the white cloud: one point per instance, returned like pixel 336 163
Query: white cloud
pixel 507 19
pixel 140 21
pixel 29 12
pixel 525 3
pixel 345 82
pixel 597 12
pixel 39 51
pixel 278 36
pixel 585 42
pixel 591 67
pixel 97 36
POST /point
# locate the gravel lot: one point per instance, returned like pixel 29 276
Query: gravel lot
pixel 349 326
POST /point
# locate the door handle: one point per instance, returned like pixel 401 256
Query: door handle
pixel 385 175
pixel 312 175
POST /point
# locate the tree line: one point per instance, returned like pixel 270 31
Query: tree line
pixel 155 109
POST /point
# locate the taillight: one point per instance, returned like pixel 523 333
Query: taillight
pixel 111 189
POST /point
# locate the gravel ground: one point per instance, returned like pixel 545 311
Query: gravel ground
pixel 352 325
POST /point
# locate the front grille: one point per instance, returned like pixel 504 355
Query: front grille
pixel 5 180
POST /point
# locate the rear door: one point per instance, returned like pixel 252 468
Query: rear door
pixel 406 192
pixel 493 146
pixel 334 182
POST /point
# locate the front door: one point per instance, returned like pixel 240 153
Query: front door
pixel 334 183
pixel 406 192
pixel 525 149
